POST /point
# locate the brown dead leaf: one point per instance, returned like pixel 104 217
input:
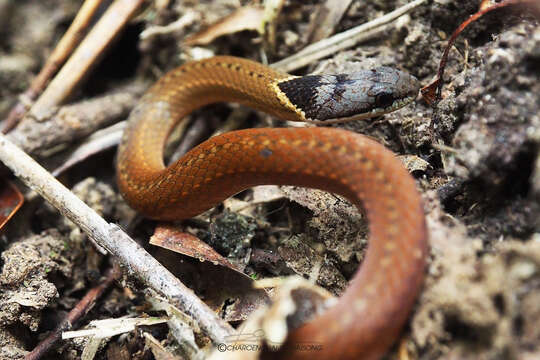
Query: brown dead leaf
pixel 11 200
pixel 244 18
pixel 171 238
pixel 225 291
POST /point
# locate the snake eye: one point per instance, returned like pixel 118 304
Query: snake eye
pixel 384 100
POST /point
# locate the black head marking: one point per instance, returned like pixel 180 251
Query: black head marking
pixel 301 92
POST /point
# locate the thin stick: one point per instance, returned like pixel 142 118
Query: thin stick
pixel 342 40
pixel 63 49
pixel 80 310
pixel 137 261
pixel 87 54
pixel 65 46
pixel 432 92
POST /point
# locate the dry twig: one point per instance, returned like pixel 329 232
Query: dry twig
pixel 137 261
pixel 80 310
pixel 75 121
pixel 432 92
pixel 87 54
pixel 65 47
pixel 343 40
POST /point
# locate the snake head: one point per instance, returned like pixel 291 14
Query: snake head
pixel 357 95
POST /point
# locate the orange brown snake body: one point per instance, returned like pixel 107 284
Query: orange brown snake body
pixel 369 316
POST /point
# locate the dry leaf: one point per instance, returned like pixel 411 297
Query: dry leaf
pixel 171 238
pixel 244 18
pixel 11 200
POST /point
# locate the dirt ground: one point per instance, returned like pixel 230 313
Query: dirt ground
pixel 475 158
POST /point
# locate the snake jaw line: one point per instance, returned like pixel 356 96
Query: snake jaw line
pixel 373 113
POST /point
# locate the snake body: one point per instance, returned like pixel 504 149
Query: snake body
pixel 372 311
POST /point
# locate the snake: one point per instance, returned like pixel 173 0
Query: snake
pixel 374 308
